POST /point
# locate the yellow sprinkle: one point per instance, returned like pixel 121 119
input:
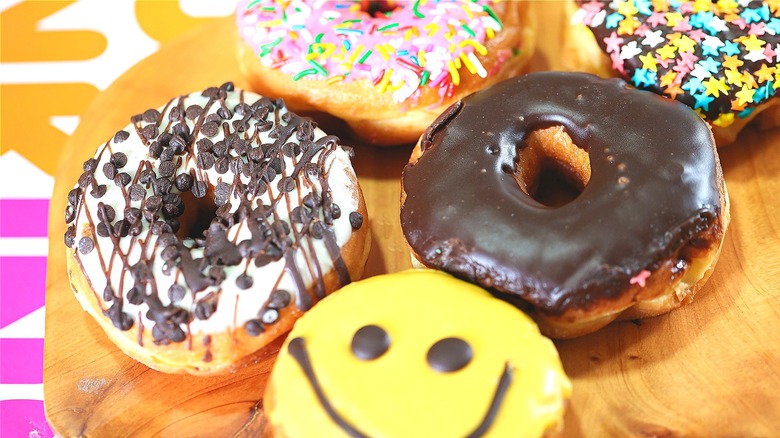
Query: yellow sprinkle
pixel 724 120
pixel 453 73
pixel 421 57
pixel 355 54
pixel 334 79
pixel 451 33
pixel 294 35
pixel 457 63
pixel 475 44
pixel 469 66
pixel 431 28
pixel 382 51
pixel 468 11
pixel 347 66
pixel 490 33
pixel 385 80
pixel 271 23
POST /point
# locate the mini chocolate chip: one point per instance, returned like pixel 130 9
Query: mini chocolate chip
pixel 280 299
pixel 269 175
pixel 183 131
pixel 240 146
pixel 178 143
pixel 270 316
pixel 220 148
pixel 150 131
pixel 119 159
pixel 136 118
pixel 205 145
pixel 151 116
pixel 199 189
pixel 335 211
pixel 173 210
pixel 137 192
pixel 109 170
pixel 237 165
pixel 70 214
pixel 291 149
pixel 103 230
pixel 155 149
pixel 224 113
pixel 316 230
pixel 227 86
pixel 193 111
pixel 106 213
pixel 203 310
pixel 167 168
pixel 167 154
pixel 121 228
pixel 356 220
pixel 135 295
pixel 254 327
pixel 153 203
pixel 108 293
pixel 210 92
pixel 122 179
pixel 176 293
pixel 132 214
pixel 85 179
pixel 370 342
pixel 175 114
pixel 286 184
pixel 99 191
pixel 121 136
pixel 311 200
pixel 244 282
pixel 90 165
pixel 147 176
pixel 171 252
pixel 216 274
pixel 299 215
pixel 70 236
pixel 240 125
pixel 86 245
pixel 205 160
pixel 449 354
pixel 183 182
pixel 213 118
pixel 209 129
pixel 74 195
pixel 162 186
pixel 222 165
pixel 221 193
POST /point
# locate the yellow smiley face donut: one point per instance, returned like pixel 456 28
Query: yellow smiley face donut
pixel 416 353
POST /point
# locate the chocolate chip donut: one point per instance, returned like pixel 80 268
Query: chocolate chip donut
pixel 639 239
pixel 201 231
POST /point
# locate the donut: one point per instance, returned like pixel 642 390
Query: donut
pixel 639 237
pixel 719 58
pixel 387 68
pixel 416 353
pixel 200 232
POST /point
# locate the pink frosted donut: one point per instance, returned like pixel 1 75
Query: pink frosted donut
pixel 386 68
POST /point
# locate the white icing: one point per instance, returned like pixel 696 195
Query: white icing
pixel 235 306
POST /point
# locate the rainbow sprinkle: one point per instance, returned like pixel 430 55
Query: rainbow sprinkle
pixel 404 47
pixel 718 57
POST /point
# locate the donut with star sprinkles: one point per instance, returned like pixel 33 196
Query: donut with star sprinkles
pixel 388 68
pixel 201 231
pixel 718 57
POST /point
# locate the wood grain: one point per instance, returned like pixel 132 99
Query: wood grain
pixel 709 369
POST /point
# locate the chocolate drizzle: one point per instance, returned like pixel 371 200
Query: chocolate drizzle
pixel 587 250
pixel 184 141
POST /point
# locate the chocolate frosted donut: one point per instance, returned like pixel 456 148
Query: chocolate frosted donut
pixel 641 237
pixel 201 231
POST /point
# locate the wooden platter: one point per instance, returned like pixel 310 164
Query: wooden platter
pixel 709 369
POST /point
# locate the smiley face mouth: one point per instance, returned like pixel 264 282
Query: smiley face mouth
pixel 297 349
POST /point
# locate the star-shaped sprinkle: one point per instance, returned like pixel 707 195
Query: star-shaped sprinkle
pixel 703 101
pixel 713 87
pixel 613 42
pixel 765 73
pixel 652 38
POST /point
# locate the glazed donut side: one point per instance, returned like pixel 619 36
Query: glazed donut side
pixel 378 115
pixel 575 271
pixel 708 65
pixel 199 233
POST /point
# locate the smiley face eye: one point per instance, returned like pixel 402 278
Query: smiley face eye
pixel 370 342
pixel 449 354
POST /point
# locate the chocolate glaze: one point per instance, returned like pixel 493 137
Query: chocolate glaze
pixel 653 188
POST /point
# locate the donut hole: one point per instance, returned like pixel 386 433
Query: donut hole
pixel 378 8
pixel 550 168
pixel 198 215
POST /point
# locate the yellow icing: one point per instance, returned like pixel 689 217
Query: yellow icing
pixel 398 394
